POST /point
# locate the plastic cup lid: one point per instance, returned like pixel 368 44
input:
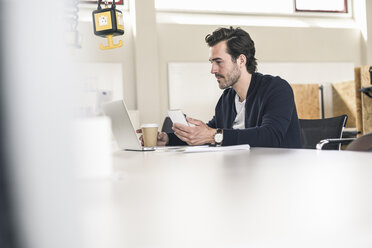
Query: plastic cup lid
pixel 149 125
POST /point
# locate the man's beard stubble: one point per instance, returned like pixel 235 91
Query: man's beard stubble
pixel 230 79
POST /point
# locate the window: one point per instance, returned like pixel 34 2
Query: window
pixel 253 6
pixel 231 6
pixel 273 13
pixel 333 6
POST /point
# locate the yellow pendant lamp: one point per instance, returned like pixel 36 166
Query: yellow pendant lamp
pixel 107 23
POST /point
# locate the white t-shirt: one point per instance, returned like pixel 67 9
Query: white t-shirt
pixel 239 122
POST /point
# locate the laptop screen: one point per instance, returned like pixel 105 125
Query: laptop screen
pixel 122 127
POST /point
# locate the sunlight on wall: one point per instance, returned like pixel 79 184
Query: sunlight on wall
pixel 247 6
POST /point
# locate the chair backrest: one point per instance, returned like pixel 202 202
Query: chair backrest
pixel 362 144
pixel 315 130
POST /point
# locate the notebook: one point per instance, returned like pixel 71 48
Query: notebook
pixel 122 127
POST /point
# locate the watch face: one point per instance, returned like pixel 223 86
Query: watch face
pixel 218 137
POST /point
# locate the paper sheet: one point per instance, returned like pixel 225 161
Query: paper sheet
pixel 215 148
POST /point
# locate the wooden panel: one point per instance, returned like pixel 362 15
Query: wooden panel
pixel 366 101
pixel 307 100
pixel 358 99
pixel 343 95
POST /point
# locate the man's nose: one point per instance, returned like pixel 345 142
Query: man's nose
pixel 213 69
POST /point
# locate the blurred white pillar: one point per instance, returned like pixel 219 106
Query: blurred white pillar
pixel 38 116
pixel 147 60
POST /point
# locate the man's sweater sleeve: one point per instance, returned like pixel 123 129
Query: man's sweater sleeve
pixel 277 108
pixel 212 123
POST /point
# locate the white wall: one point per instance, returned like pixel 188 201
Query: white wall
pixel 90 53
pixel 194 90
pixel 185 43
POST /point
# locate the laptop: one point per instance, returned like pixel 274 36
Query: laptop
pixel 122 127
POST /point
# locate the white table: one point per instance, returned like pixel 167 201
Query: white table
pixel 258 198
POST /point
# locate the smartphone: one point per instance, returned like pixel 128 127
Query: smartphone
pixel 177 116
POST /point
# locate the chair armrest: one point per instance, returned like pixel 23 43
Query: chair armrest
pixel 326 142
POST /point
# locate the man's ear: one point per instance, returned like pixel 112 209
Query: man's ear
pixel 242 60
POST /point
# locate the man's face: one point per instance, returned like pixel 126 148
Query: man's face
pixel 225 70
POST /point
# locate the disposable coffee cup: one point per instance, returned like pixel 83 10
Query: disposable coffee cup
pixel 150 134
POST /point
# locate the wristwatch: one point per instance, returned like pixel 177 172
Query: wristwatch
pixel 218 137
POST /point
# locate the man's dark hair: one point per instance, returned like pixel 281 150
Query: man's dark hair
pixel 238 42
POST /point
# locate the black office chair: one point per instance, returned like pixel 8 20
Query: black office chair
pixel 361 144
pixel 315 130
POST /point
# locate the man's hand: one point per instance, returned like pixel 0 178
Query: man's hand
pixel 162 138
pixel 199 134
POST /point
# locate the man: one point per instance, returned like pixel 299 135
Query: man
pixel 254 109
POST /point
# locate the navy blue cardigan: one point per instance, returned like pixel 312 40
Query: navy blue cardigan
pixel 270 115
